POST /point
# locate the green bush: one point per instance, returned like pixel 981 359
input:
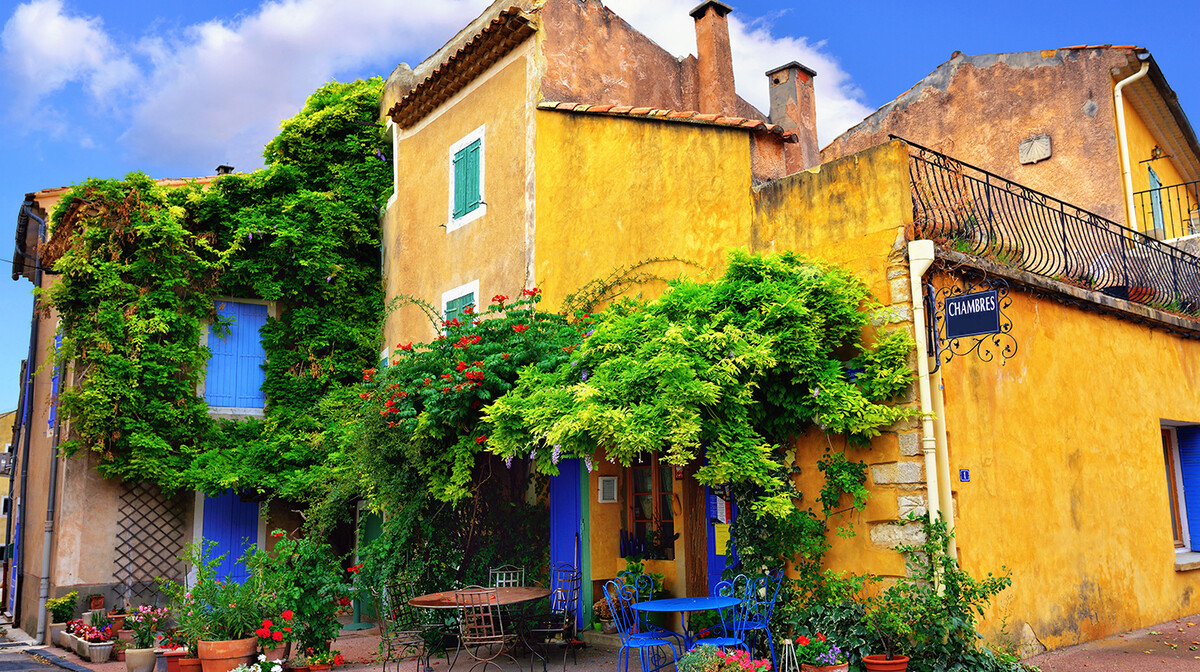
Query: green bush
pixel 62 608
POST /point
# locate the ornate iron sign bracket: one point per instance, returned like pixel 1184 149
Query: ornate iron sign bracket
pixel 987 347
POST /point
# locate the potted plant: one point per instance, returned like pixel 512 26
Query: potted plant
pixel 61 610
pixel 712 659
pixel 305 579
pixel 117 616
pixel 600 608
pixel 145 622
pixel 321 661
pixel 220 616
pixel 174 647
pixel 274 639
pixel 298 663
pixel 887 619
pixel 119 649
pixel 97 647
pixel 95 601
pixel 818 654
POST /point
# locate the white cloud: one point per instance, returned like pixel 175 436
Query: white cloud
pixel 755 50
pixel 215 92
pixel 44 49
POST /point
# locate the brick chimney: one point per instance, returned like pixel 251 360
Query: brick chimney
pixel 794 106
pixel 714 60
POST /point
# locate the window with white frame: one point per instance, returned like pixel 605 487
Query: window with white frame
pixel 1181 456
pixel 454 300
pixel 235 373
pixel 466 162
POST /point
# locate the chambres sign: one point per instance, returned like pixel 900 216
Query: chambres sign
pixel 973 314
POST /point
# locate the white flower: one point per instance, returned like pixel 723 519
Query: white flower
pixel 261 657
pixel 277 668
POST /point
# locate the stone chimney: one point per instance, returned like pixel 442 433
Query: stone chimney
pixel 794 107
pixel 714 60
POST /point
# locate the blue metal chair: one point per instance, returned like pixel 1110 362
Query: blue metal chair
pixel 731 634
pixel 761 591
pixel 621 597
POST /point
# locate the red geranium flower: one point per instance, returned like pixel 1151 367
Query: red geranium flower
pixel 277 636
pixel 267 623
pixel 339 660
pixel 802 640
pixel 287 614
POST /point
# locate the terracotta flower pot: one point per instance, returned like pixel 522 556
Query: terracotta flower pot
pixel 805 667
pixel 224 655
pixel 880 663
pixel 318 668
pixel 300 668
pixel 189 664
pixel 173 656
pixel 139 660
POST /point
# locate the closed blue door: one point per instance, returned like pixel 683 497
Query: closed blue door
pixel 1189 469
pixel 235 374
pixel 233 525
pixel 720 513
pixel 566 516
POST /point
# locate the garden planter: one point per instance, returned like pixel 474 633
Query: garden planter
pixel 125 636
pixel 173 657
pixel 191 664
pixel 139 660
pixel 805 667
pixel 79 646
pixel 298 668
pixel 119 655
pixel 118 621
pixel 608 626
pixel 880 663
pixel 318 668
pixel 52 635
pixel 276 652
pixel 98 652
pixel 64 640
pixel 95 602
pixel 222 656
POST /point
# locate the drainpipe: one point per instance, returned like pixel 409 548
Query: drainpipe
pixel 52 491
pixel 945 494
pixel 920 258
pixel 1123 141
pixel 30 379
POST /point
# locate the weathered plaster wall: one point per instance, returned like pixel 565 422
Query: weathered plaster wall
pixel 593 56
pixel 423 260
pixel 979 108
pixel 613 191
pixel 1067 481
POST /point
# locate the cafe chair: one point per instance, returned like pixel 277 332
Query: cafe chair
pixel 403 631
pixel 506 576
pixel 621 597
pixel 643 590
pixel 562 619
pixel 758 617
pixel 731 633
pixel 480 629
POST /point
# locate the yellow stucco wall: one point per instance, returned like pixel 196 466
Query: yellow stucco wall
pixel 423 259
pixel 614 191
pixel 1067 481
pixel 1141 144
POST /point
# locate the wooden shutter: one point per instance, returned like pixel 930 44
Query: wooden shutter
pixel 466 179
pixel 233 525
pixel 1189 468
pixel 235 371
pixel 454 306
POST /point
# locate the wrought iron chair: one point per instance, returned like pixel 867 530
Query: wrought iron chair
pixel 402 630
pixel 621 597
pixel 758 616
pixel 506 576
pixel 643 589
pixel 562 619
pixel 480 627
pixel 732 631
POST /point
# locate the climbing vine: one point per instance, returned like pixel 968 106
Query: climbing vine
pixel 141 265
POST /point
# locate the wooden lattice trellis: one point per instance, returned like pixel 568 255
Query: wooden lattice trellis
pixel 150 536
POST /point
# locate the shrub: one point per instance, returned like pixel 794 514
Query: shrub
pixel 63 608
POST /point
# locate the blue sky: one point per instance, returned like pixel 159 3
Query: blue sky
pixel 101 88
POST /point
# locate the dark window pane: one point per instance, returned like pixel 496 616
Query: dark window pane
pixel 641 480
pixel 644 507
pixel 664 508
pixel 666 477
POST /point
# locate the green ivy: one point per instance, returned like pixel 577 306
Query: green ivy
pixel 142 264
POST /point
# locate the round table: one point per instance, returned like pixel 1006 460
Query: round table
pixel 504 596
pixel 685 605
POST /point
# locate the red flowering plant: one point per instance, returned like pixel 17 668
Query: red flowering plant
pixel 712 659
pixel 819 650
pixel 302 580
pixel 429 401
pixel 272 634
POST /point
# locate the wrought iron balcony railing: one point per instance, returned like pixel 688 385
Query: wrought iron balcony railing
pixel 968 209
pixel 1169 212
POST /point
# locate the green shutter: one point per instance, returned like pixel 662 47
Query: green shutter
pixel 466 179
pixel 454 306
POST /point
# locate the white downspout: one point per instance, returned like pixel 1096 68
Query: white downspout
pixel 1123 141
pixel 945 494
pixel 920 258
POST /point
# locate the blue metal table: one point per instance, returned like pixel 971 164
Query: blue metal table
pixel 684 605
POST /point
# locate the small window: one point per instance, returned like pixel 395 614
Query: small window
pixel 650 487
pixel 455 300
pixel 466 180
pixel 607 490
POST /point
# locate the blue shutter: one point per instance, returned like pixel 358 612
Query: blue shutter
pixel 454 307
pixel 466 179
pixel 1156 199
pixel 1189 468
pixel 235 371
pixel 566 516
pixel 233 525
pixel 54 382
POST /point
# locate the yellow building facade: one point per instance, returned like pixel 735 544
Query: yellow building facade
pixel 513 170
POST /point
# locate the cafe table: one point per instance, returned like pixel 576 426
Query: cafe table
pixel 686 605
pixel 506 596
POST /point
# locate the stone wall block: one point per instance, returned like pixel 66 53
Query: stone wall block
pixel 906 504
pixel 897 472
pixel 910 444
pixel 891 535
pixel 901 291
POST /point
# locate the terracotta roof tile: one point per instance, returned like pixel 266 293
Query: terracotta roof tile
pixel 678 116
pixel 499 37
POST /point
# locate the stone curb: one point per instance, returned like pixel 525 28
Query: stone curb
pixel 55 660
